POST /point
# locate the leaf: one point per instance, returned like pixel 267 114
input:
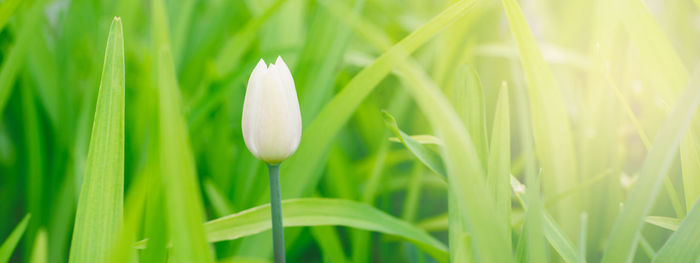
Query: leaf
pixel 625 232
pixel 321 212
pixel 553 138
pixel 669 223
pixel 683 245
pixel 40 251
pixel 177 167
pixel 101 202
pixel 11 241
pixel 431 159
pixel 559 241
pixel 498 172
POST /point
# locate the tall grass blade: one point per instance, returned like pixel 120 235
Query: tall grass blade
pixel 553 138
pixel 626 230
pixel 13 239
pixel 177 167
pixel 101 205
pixel 498 170
pixel 40 250
pixel 467 97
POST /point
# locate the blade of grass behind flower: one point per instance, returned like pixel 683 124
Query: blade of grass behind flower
pixel 498 172
pixel 177 167
pixel 553 138
pixel 626 230
pixel 683 245
pixel 11 241
pixel 100 204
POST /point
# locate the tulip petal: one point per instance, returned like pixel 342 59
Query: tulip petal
pixel 251 106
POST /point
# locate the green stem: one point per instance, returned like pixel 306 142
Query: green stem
pixel 276 209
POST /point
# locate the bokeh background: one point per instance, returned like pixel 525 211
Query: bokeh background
pixel 583 86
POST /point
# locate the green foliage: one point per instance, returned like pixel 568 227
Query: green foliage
pixel 420 121
pixel 177 166
pixel 431 159
pixel 101 202
pixel 8 246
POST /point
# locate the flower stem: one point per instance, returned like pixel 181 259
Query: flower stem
pixel 276 209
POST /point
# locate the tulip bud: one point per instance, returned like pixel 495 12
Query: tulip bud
pixel 271 117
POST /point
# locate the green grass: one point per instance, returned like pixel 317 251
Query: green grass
pixel 101 201
pixel 433 131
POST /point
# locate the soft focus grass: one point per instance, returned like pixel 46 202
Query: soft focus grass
pixel 434 131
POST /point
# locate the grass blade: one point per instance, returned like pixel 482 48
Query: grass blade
pixel 669 223
pixel 553 138
pixel 11 241
pixel 322 212
pixel 552 232
pixel 177 167
pixel 40 251
pixel 498 170
pixel 683 245
pixel 101 202
pixel 467 97
pixel 431 159
pixel 690 166
pixel 626 230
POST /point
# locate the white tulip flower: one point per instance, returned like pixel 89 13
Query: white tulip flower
pixel 271 117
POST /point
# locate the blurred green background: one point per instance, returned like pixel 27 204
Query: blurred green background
pixel 569 97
